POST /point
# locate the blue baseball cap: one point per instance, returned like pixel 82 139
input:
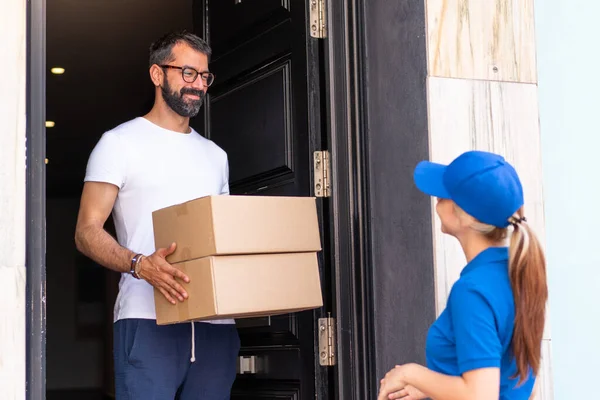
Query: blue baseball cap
pixel 483 184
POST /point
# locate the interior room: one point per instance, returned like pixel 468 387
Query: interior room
pixel 97 58
pixel 267 74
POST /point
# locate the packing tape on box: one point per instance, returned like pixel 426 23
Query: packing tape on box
pixel 186 253
pixel 183 309
pixel 181 210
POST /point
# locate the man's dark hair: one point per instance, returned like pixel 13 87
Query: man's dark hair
pixel 161 50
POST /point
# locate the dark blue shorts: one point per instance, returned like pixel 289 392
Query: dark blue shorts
pixel 153 362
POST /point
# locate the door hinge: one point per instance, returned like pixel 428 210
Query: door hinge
pixel 247 365
pixel 318 19
pixel 322 173
pixel 327 342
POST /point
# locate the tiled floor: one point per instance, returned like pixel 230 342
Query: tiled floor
pixel 76 395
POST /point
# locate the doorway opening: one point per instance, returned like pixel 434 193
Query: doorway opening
pixel 264 109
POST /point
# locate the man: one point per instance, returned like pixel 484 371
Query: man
pixel 143 165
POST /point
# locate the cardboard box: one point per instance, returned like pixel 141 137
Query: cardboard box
pixel 228 225
pixel 223 287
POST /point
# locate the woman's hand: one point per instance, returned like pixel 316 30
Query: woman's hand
pixel 400 383
pixel 392 384
pixel 408 393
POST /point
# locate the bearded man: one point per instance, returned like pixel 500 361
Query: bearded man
pixel 145 164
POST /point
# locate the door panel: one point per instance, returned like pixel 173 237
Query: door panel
pixel 265 124
pixel 258 112
pixel 236 21
pixel 258 105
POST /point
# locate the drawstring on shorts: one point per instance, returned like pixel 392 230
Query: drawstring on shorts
pixel 193 359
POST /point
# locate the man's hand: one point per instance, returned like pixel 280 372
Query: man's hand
pixel 155 270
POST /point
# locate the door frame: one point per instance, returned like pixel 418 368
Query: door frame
pixel 354 376
pixel 350 232
pixel 36 202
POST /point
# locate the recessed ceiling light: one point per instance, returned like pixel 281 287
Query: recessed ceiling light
pixel 57 70
pixel 50 124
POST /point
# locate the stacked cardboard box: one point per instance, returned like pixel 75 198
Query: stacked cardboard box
pixel 246 256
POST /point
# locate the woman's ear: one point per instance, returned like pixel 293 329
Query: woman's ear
pixel 157 75
pixel 464 219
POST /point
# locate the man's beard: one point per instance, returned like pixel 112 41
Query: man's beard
pixel 183 107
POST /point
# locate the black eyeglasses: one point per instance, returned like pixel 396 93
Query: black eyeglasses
pixel 190 75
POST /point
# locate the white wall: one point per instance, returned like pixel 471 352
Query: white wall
pixel 569 86
pixel 482 94
pixel 12 200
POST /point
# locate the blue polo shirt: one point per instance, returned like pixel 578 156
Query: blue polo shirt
pixel 476 328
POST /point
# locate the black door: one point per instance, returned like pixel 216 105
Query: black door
pixel 263 109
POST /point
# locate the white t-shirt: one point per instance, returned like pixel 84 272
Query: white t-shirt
pixel 153 168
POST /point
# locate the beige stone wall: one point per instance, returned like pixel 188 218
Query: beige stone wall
pixel 12 199
pixel 482 94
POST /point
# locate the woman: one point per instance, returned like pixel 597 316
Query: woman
pixel 486 344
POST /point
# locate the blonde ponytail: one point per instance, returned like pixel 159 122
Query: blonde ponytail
pixel 527 271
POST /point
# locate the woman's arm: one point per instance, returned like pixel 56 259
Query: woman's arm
pixel 479 384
